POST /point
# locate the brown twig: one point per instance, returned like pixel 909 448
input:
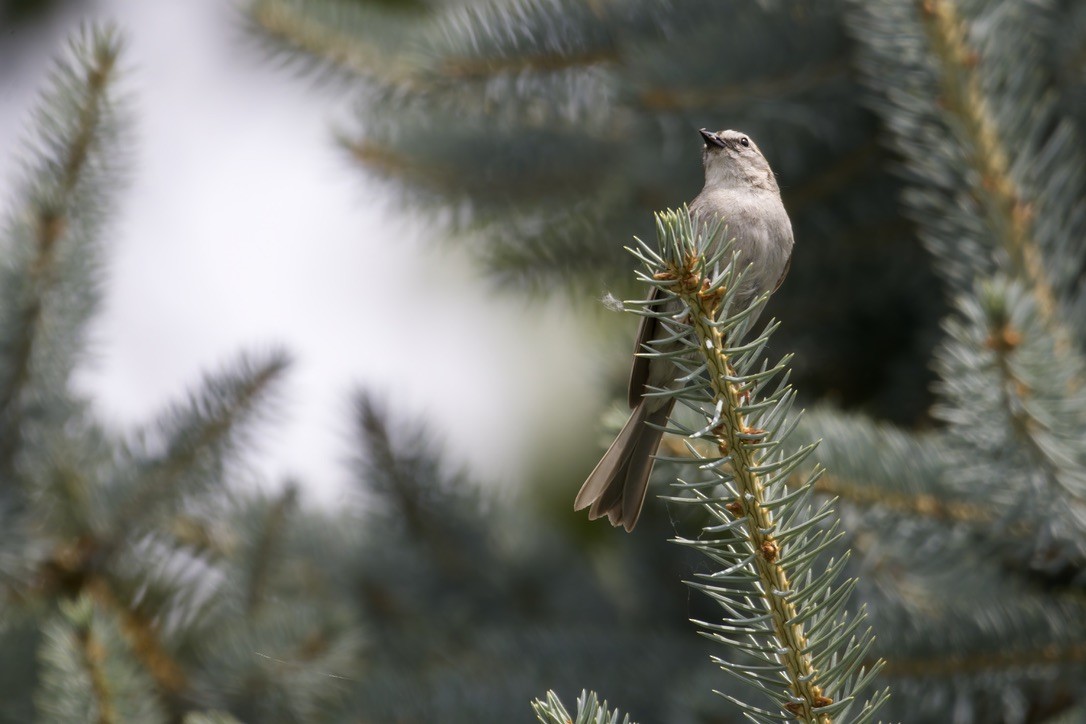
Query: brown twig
pixel 660 98
pixel 950 664
pixel 733 435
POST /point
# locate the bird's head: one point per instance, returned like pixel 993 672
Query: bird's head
pixel 732 158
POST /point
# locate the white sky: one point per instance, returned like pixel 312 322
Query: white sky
pixel 245 227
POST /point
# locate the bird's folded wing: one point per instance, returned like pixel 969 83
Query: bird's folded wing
pixel 639 373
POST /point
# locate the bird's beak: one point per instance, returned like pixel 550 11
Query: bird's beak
pixel 711 139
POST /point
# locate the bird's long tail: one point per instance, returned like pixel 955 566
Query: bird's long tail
pixel 617 486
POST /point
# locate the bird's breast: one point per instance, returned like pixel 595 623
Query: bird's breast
pixel 758 223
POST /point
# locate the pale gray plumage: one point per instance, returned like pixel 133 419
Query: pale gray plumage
pixel 741 189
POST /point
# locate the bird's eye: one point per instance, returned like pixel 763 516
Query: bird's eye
pixel 745 141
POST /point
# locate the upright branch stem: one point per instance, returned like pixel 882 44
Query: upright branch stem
pixel 1010 213
pixel 51 220
pixel 94 657
pixel 734 437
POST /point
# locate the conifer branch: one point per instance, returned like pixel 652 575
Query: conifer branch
pixel 667 98
pixel 766 537
pixel 480 68
pixel 290 24
pixel 997 192
pixel 142 636
pixel 1014 393
pixel 99 73
pixel 920 505
pixel 387 162
pixel 404 155
pixel 964 99
pixel 590 710
pixel 73 571
pixel 81 99
pixel 486 41
pixel 398 476
pixel 88 671
pixel 385 468
pixel 734 437
pixel 949 664
pixel 201 432
pixel 1015 412
pixel 270 535
pixel 995 187
pixel 865 494
pixel 94 658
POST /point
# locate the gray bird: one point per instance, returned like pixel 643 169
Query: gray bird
pixel 741 189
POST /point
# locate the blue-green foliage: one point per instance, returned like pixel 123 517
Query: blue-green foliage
pixel 89 674
pixel 543 134
pixel 50 242
pixel 999 199
pixel 589 711
pixel 784 617
pixel 136 584
pixel 548 130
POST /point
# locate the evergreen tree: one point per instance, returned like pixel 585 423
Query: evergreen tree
pixel 140 584
pixel 137 585
pixel 542 134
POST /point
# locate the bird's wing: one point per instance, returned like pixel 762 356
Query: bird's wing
pixel 787 266
pixel 639 373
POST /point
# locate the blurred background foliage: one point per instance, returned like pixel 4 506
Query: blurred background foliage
pixel 544 134
pixel 15 12
pixel 929 154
